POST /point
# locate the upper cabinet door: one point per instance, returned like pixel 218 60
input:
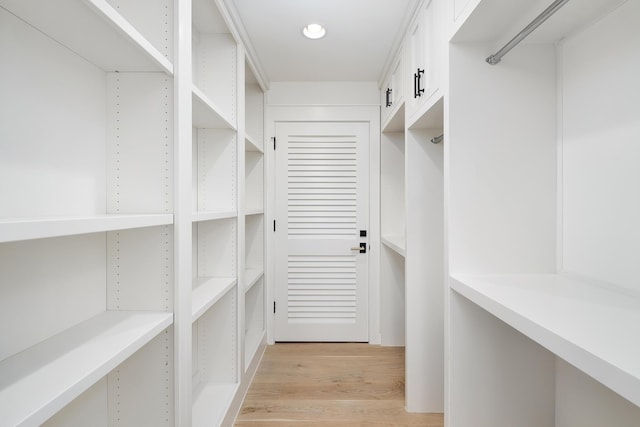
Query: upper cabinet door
pixel 392 94
pixel 426 44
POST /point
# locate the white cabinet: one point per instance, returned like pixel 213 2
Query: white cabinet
pixel 426 61
pixel 542 295
pixel 86 224
pixel 392 96
pixel 412 211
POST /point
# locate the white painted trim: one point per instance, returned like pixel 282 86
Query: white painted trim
pixel 320 113
pixel 232 17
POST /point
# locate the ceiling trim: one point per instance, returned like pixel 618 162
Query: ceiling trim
pixel 232 17
pixel 407 22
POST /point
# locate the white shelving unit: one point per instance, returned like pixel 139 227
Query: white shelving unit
pixel 392 217
pixel 254 287
pixel 543 295
pixel 86 223
pixel 95 191
pixel 215 307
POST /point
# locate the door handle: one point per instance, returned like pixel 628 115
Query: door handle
pixel 361 249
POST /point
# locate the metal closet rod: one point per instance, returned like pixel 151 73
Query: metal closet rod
pixel 553 8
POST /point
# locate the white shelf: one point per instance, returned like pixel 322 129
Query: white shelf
pixel 94 30
pixel 432 115
pixel 12 230
pixel 593 328
pixel 396 243
pixel 396 120
pixel 211 402
pixel 207 291
pixel 206 114
pixel 251 144
pixel 38 382
pixel 251 276
pixel 212 215
pixel 254 211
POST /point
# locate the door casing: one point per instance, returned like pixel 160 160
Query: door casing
pixel 369 114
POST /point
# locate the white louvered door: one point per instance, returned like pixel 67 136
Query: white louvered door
pixel 322 187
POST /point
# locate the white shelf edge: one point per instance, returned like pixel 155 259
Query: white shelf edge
pixel 252 145
pixel 251 277
pixel 395 243
pixel 212 215
pixel 207 291
pixel 19 229
pixel 591 327
pixel 254 211
pixel 38 382
pixel 206 114
pixel 129 31
pixel 211 402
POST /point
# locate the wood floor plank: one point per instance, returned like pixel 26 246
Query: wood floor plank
pixel 330 384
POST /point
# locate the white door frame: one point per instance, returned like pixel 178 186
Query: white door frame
pixel 368 114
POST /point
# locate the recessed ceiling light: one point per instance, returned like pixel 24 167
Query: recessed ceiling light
pixel 314 31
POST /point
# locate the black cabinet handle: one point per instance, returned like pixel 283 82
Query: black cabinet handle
pixel 388 102
pixel 417 79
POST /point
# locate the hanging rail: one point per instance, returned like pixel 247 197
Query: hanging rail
pixel 553 8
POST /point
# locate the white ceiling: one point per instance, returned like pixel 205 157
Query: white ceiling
pixel 360 37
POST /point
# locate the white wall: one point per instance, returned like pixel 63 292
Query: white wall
pixel 600 150
pixel 323 93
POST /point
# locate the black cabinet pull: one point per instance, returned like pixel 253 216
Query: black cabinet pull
pixel 388 102
pixel 417 79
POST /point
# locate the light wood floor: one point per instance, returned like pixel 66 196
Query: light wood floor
pixel 314 385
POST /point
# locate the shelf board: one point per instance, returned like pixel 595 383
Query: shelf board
pixel 94 30
pixel 592 327
pixel 251 144
pixel 206 114
pixel 395 123
pixel 396 243
pixel 212 215
pixel 207 291
pixel 431 116
pixel 18 229
pixel 254 211
pixel 251 277
pixel 211 401
pixel 38 382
